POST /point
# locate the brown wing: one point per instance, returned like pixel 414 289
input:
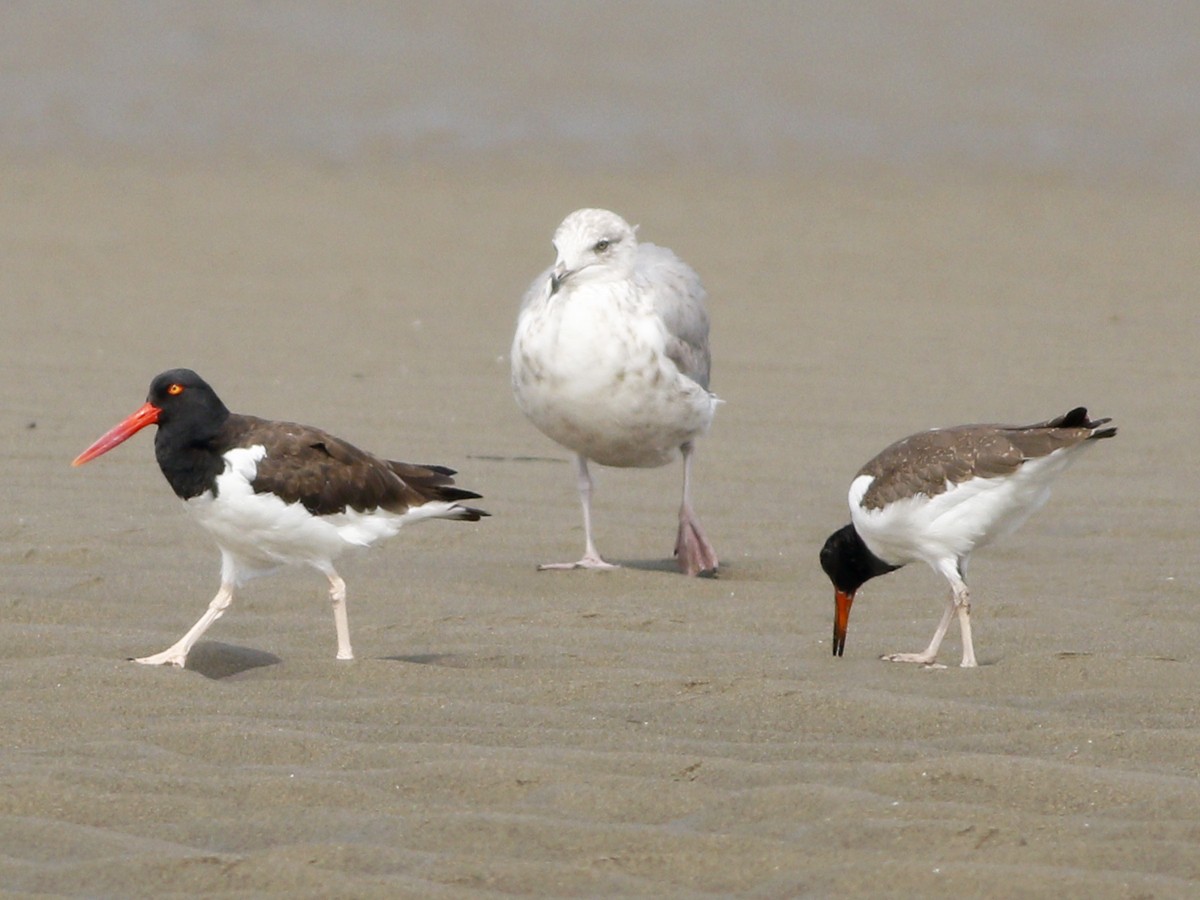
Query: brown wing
pixel 1067 430
pixel 328 475
pixel 435 483
pixel 928 462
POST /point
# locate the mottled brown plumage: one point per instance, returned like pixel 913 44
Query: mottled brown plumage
pixel 936 497
pixel 931 461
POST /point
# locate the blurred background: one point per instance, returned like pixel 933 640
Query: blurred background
pixel 1085 90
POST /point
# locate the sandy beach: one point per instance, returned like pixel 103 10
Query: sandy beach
pixel 629 733
pixel 904 219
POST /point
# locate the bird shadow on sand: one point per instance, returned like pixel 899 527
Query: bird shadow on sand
pixel 487 660
pixel 661 565
pixel 449 660
pixel 215 660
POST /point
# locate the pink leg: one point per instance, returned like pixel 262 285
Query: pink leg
pixel 695 554
pixel 341 622
pixel 928 656
pixel 959 602
pixel 176 654
pixel 591 556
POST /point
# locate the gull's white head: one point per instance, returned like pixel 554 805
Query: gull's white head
pixel 592 245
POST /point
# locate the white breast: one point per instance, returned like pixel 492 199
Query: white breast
pixel 590 370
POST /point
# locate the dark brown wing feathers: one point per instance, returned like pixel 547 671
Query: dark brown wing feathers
pixel 328 475
pixel 432 482
pixel 925 463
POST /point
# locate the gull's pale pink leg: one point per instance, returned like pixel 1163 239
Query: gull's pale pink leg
pixel 695 554
pixel 591 556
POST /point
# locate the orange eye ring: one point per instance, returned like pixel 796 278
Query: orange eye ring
pixel 175 389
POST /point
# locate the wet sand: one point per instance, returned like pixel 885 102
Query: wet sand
pixel 631 733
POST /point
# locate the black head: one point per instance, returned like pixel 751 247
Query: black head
pixel 189 415
pixel 848 563
pixel 184 400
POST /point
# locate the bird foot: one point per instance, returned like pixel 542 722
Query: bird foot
pixel 588 562
pixel 693 552
pixel 920 659
pixel 169 657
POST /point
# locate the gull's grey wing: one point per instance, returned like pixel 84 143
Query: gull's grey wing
pixel 539 289
pixel 678 298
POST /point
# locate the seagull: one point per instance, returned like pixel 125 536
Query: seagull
pixel 611 360
pixel 936 496
pixel 276 493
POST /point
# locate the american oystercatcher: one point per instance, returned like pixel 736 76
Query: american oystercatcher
pixel 938 495
pixel 611 360
pixel 276 493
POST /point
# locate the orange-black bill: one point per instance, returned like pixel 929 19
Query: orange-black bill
pixel 841 618
pixel 147 415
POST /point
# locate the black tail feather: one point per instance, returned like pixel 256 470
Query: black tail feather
pixel 448 492
pixel 470 514
pixel 1078 418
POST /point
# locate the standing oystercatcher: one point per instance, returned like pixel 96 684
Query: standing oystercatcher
pixel 936 496
pixel 275 493
pixel 611 360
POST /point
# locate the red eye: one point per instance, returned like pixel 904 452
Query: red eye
pixel 175 389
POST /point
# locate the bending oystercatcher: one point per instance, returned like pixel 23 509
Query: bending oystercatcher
pixel 938 495
pixel 275 493
pixel 611 360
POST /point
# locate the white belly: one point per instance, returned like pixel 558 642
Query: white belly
pixel 595 378
pixel 258 533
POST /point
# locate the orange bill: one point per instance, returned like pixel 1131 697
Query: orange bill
pixel 118 434
pixel 841 618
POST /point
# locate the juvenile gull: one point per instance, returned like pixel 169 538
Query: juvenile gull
pixel 611 360
pixel 938 495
